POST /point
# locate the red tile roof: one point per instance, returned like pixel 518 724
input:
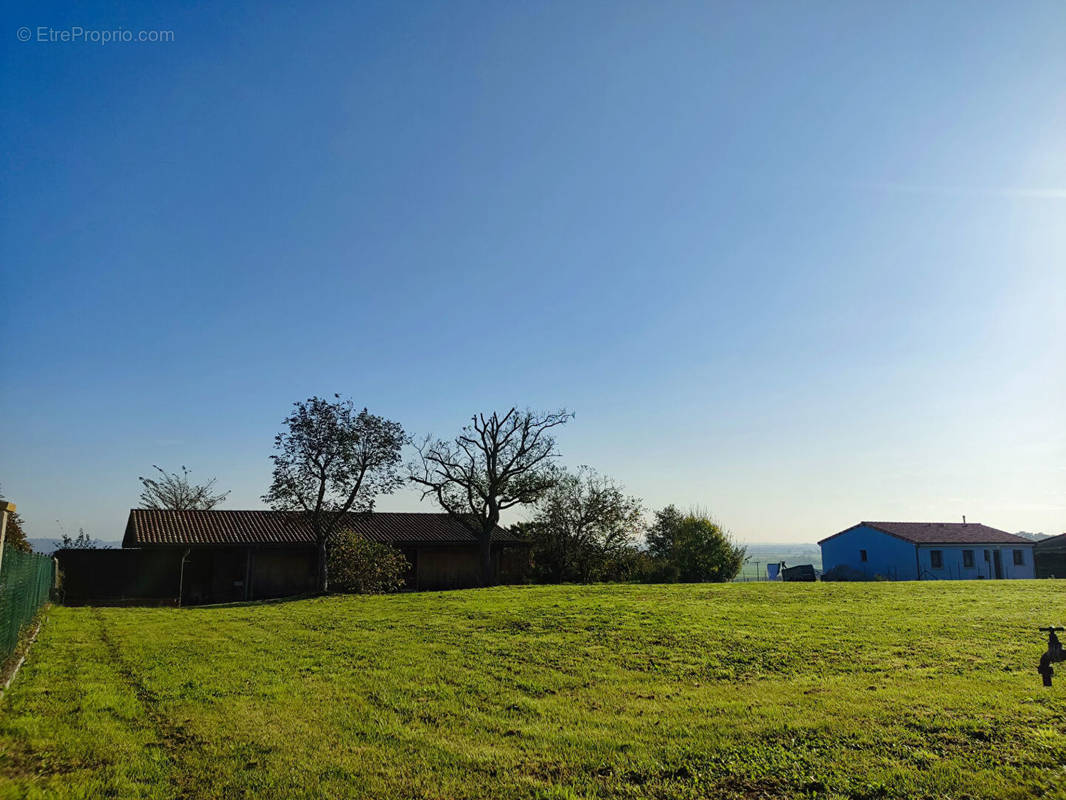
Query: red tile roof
pixel 941 533
pixel 197 528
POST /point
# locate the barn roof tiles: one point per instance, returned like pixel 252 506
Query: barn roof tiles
pixel 199 528
pixel 941 533
pixel 1052 543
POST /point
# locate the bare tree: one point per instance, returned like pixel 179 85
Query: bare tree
pixel 495 463
pixel 332 460
pixel 82 541
pixel 174 492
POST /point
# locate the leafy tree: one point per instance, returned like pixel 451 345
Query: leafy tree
pixel 82 541
pixel 175 492
pixel 661 535
pixel 495 463
pixel 15 533
pixel 644 567
pixel 694 546
pixel 584 527
pixel 361 566
pixel 332 460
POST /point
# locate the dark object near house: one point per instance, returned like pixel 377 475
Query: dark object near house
pixel 192 557
pixel 801 573
pixel 1053 655
pixel 843 573
pixel 1049 557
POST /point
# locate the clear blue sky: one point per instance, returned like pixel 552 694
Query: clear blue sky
pixel 799 263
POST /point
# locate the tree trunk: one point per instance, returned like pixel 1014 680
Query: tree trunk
pixel 323 576
pixel 486 559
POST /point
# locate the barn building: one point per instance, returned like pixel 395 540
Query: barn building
pixel 195 557
pixel 1050 557
pixel 908 551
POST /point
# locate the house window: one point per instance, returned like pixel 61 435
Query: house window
pixel 987 558
pixel 936 559
pixel 1019 557
pixel 862 555
pixel 967 558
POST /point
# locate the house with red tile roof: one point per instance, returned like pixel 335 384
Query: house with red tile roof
pixel 927 551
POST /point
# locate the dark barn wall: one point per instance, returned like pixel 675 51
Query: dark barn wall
pixel 1049 563
pixel 211 574
pixel 114 576
pixel 280 573
pixel 234 574
pixel 514 564
pixel 447 567
pixel 459 566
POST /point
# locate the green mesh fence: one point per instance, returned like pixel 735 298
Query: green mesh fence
pixel 25 583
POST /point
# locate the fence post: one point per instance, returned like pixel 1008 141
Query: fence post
pixel 5 509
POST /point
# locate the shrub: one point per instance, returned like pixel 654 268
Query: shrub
pixel 695 546
pixel 650 569
pixel 360 566
pixel 842 572
pixel 584 530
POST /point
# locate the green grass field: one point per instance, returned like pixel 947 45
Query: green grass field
pixel 738 690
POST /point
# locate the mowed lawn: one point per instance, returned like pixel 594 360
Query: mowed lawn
pixel 742 690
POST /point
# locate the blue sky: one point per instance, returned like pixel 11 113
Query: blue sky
pixel 799 264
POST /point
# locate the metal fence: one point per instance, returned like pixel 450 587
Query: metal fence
pixel 26 580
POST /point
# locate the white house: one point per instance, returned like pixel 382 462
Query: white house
pixel 908 551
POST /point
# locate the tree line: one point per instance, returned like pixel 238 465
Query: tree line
pixel 332 459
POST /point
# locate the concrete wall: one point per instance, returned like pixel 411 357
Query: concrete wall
pixel 886 556
pixel 984 561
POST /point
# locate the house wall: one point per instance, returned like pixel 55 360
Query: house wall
pixel 887 556
pixel 894 558
pixel 953 560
